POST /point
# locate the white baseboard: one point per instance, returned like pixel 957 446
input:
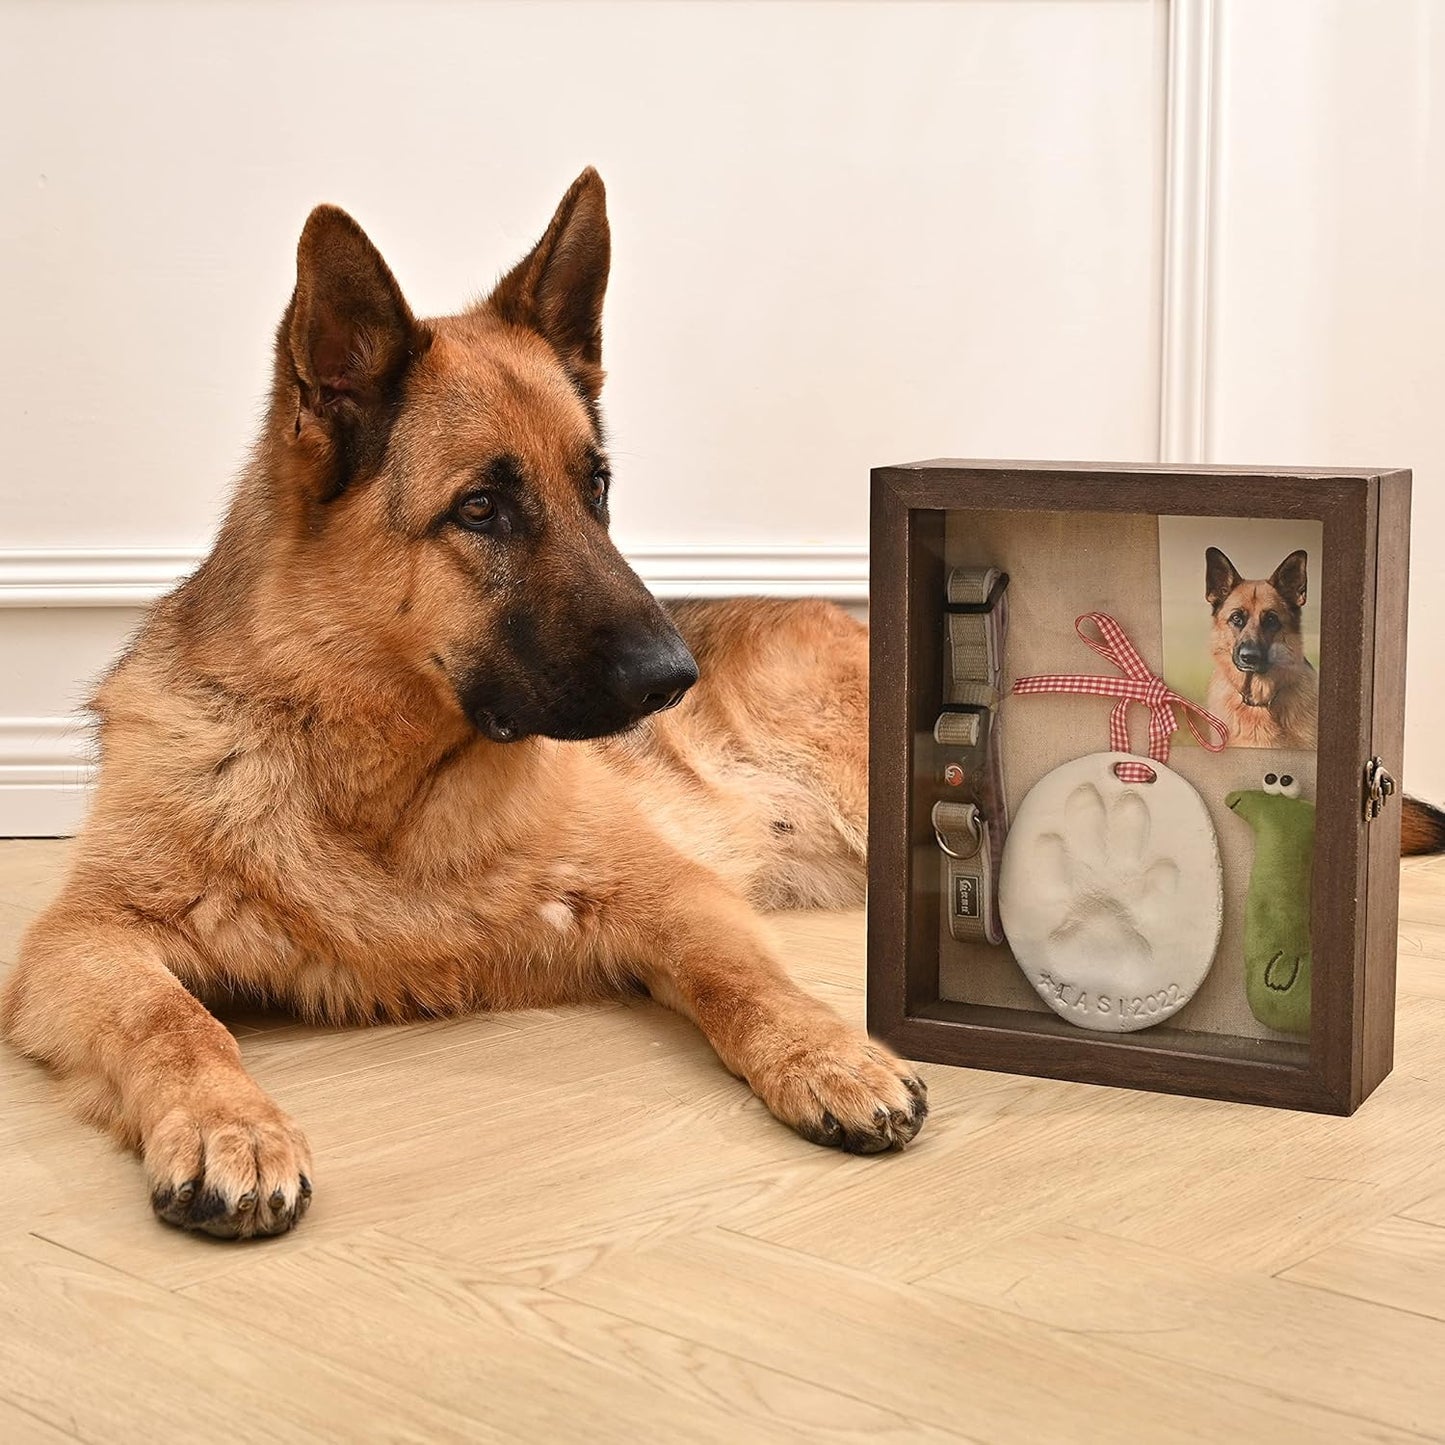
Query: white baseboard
pixel 46 771
pixel 46 762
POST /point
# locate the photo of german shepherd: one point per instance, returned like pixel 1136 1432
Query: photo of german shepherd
pixel 416 740
pixel 1264 688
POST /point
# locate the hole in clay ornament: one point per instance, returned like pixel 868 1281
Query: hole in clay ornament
pixel 1135 773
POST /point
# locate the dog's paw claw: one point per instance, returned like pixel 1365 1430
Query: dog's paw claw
pixel 851 1095
pixel 231 1176
pixel 827 1132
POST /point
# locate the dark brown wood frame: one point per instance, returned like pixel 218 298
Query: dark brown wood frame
pixel 1356 870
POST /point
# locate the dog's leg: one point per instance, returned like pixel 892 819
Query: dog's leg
pixel 832 1084
pixel 142 1057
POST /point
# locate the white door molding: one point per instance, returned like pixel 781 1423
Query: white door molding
pixel 138 576
pixel 1192 83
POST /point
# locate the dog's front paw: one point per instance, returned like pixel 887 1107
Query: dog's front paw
pixel 233 1171
pixel 847 1093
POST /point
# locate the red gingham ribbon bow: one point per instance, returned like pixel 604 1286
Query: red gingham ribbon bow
pixel 1138 684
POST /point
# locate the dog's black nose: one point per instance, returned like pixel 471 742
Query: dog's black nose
pixel 654 675
pixel 1249 658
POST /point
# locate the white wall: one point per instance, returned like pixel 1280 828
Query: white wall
pixel 846 233
pixel 1328 273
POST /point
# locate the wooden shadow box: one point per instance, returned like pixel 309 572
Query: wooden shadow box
pixel 1130 542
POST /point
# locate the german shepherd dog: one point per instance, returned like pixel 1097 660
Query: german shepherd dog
pixel 416 740
pixel 1264 688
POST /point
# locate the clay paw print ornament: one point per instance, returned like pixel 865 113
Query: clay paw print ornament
pixel 1277 904
pixel 1111 889
pixel 1112 893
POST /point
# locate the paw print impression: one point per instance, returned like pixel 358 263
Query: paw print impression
pixel 1111 894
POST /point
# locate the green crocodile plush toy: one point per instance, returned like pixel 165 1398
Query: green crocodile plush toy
pixel 1277 906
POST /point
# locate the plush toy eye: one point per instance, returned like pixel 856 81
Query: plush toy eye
pixel 1289 785
pixel 1271 783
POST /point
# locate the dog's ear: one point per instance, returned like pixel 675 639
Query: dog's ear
pixel 558 287
pixel 1220 578
pixel 1290 579
pixel 349 333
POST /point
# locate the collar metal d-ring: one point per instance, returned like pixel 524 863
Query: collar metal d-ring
pixel 956 815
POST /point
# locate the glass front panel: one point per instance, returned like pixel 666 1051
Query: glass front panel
pixel 1078 883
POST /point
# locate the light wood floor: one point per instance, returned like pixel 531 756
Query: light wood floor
pixel 575 1226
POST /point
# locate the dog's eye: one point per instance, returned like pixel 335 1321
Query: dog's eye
pixel 477 511
pixel 1271 782
pixel 597 486
pixel 1237 620
pixel 1270 622
pixel 1289 786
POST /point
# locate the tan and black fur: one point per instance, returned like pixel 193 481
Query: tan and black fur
pixel 414 740
pixel 1264 689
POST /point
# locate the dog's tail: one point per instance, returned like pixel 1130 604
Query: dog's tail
pixel 1422 828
